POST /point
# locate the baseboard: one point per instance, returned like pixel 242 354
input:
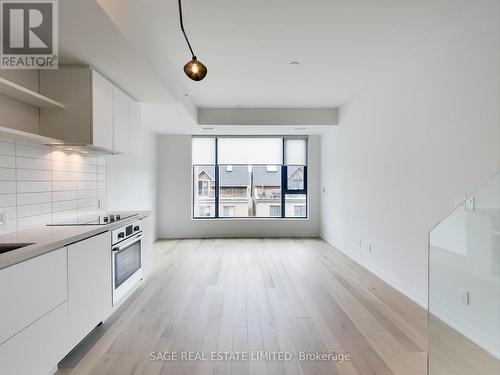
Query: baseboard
pixel 229 237
pixel 486 342
pixel 393 281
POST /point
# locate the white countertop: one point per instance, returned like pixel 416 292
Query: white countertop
pixel 48 238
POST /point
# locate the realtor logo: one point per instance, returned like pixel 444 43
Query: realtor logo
pixel 29 34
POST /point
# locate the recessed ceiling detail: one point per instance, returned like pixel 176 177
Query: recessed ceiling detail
pixel 268 116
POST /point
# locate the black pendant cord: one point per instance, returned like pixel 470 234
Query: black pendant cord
pixel 182 28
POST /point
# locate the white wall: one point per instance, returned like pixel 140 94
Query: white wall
pixel 174 199
pixel 411 144
pixel 131 183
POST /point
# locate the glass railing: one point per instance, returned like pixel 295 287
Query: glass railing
pixel 464 287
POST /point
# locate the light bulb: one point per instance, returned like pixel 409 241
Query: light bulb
pixel 195 70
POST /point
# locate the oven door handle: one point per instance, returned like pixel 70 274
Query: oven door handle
pixel 128 243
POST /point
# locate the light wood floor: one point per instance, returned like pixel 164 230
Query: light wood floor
pixel 258 295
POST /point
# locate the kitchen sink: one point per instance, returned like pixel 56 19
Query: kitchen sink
pixel 6 247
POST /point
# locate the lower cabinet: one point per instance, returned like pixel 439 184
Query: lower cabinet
pixel 33 314
pixel 89 286
pixel 51 302
pixel 38 348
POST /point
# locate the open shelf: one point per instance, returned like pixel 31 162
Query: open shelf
pixel 22 94
pixel 23 136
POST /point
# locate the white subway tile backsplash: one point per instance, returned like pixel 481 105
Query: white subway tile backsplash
pixel 7 174
pixel 33 198
pixel 65 176
pixel 29 221
pixel 7 161
pixel 82 194
pixel 7 187
pixel 64 206
pixel 87 202
pixel 64 216
pixel 7 148
pixel 88 177
pixel 11 212
pixel 33 175
pixel 7 200
pixel 33 186
pixel 64 186
pixel 31 163
pixel 34 209
pixel 37 152
pixel 64 195
pixel 73 166
pixel 11 226
pixel 41 186
pixel 87 185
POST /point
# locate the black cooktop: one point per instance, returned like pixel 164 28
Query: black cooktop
pixel 97 220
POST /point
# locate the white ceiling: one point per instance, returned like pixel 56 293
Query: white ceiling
pixel 247 45
pixel 342 45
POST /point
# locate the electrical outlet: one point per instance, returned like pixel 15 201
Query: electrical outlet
pixel 3 217
pixel 470 204
pixel 466 297
pixel 371 249
pixel 357 242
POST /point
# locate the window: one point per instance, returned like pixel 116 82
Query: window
pixel 295 178
pixel 204 210
pixel 228 211
pixel 299 210
pixel 204 191
pixel 243 177
pixel 275 211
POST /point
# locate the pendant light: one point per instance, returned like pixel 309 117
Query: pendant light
pixel 194 69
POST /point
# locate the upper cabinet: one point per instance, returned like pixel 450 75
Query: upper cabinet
pixel 102 112
pixel 97 112
pixel 121 104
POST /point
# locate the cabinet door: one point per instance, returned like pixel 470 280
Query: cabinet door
pixel 89 285
pixel 37 349
pixel 121 103
pixel 102 111
pixel 31 289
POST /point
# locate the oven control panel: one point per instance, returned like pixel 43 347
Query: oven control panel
pixel 122 233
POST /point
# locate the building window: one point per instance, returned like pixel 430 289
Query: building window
pixel 249 177
pixel 299 210
pixel 229 211
pixel 275 211
pixel 204 211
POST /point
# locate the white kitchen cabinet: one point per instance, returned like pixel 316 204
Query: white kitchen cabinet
pixel 121 104
pixel 96 114
pixel 147 246
pixel 33 314
pixel 31 289
pixel 89 285
pixel 37 349
pixel 102 112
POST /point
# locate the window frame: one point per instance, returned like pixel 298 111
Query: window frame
pixel 284 182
